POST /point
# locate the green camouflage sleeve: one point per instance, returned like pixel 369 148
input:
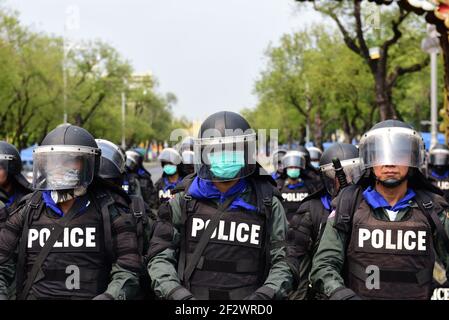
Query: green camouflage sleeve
pixel 280 278
pixel 328 261
pixel 162 265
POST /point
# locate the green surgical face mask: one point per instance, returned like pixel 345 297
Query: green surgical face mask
pixel 227 164
pixel 170 169
pixel 293 173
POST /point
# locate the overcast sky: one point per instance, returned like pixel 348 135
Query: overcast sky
pixel 207 52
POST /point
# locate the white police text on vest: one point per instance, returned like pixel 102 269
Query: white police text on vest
pixel 407 240
pixel 229 231
pixel 443 185
pixel 294 197
pixel 78 238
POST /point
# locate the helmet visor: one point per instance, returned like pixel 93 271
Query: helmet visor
pixel 225 158
pixel 5 160
pixel 61 168
pixel 439 157
pixel 351 168
pixel 392 146
pixel 296 160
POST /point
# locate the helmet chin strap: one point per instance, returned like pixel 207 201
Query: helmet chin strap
pixel 391 183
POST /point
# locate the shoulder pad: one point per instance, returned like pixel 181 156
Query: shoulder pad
pixel 164 212
pixel 345 205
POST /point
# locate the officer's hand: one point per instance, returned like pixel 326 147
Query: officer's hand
pixel 263 293
pixel 180 293
pixel 103 296
pixel 344 293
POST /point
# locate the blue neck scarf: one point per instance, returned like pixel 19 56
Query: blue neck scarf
pixel 440 177
pixel 141 172
pixel 297 185
pixel 375 200
pixel 46 196
pixel 10 201
pixel 275 175
pixel 202 189
pixel 169 185
pixel 326 201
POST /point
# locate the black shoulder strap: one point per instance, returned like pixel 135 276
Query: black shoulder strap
pixel 205 237
pixel 59 226
pixel 185 202
pixel 34 202
pixel 264 193
pixel 431 209
pixel 347 202
pixel 102 201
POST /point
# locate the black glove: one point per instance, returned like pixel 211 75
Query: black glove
pixel 180 293
pixel 263 293
pixel 103 296
pixel 343 293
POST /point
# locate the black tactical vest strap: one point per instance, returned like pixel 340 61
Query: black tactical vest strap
pixel 264 193
pixel 59 226
pixel 431 210
pixel 34 203
pixel 348 202
pixel 102 201
pixel 205 237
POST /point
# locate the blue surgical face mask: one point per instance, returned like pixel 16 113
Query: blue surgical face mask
pixel 227 164
pixel 170 169
pixel 293 173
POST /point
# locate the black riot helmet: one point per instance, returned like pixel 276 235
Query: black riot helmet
pixel 134 160
pixel 439 156
pixel 112 164
pixel 306 153
pixel 392 142
pixel 315 155
pixel 188 160
pixel 186 144
pixel 348 155
pixel 67 158
pixel 225 149
pixel 10 159
pixel 169 156
pixel 276 159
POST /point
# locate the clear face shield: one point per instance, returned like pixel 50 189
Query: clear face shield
pixel 4 162
pixel 225 158
pixel 294 159
pixel 439 157
pixel 351 168
pixel 276 160
pixel 63 167
pixel 392 146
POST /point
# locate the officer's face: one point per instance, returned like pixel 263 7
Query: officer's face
pixel 3 176
pixel 390 172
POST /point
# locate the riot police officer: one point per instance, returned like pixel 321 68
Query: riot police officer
pixel 73 240
pixel 13 185
pixel 294 190
pixel 276 160
pixel 112 174
pixel 308 223
pixel 232 194
pixel 310 173
pixel 388 228
pixel 187 164
pixel 315 155
pixel 438 171
pixel 171 175
pixel 136 174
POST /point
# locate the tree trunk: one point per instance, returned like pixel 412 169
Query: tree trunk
pixel 318 129
pixel 383 98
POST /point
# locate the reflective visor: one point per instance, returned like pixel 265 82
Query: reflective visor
pixel 351 168
pixel 63 167
pixel 4 161
pixel 439 157
pixel 392 146
pixel 294 159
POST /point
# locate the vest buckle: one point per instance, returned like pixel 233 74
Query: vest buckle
pixel 428 204
pixel 267 201
pixel 187 197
